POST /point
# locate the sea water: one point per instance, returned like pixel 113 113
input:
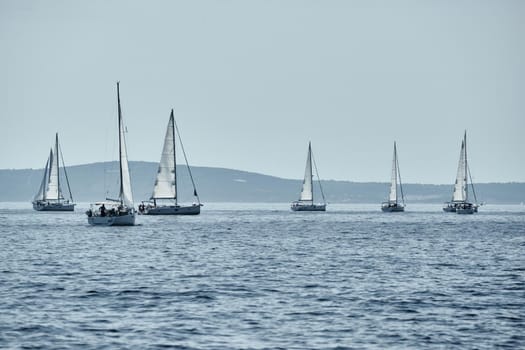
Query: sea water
pixel 259 276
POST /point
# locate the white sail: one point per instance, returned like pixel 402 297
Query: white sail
pixel 125 187
pixel 42 189
pixel 53 190
pixel 460 187
pixel 306 193
pixel 393 185
pixel 165 181
pixel 49 196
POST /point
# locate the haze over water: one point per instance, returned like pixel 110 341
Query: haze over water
pixel 258 276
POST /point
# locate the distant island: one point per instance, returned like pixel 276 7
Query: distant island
pixel 89 182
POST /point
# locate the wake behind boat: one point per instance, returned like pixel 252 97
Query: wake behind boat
pixel 306 200
pixel 164 200
pixel 50 196
pixel 460 198
pixel 393 204
pixel 116 212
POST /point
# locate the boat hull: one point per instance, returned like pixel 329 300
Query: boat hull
pixel 120 220
pixel 467 208
pixel 449 209
pixel 391 209
pixel 45 206
pixel 174 210
pixel 114 215
pixel 308 207
pixel 465 211
pixel 460 208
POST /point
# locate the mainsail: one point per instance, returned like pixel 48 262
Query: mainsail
pixel 126 196
pixel 50 189
pixel 165 182
pixel 306 193
pixel 53 187
pixel 393 184
pixel 460 187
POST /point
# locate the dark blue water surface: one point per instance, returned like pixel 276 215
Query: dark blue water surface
pixel 262 277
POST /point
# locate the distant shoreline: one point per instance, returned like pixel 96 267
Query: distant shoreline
pixel 91 182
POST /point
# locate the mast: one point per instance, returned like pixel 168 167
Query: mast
pixel 460 195
pixel 172 121
pixel 126 194
pixel 392 196
pixel 121 194
pixel 399 175
pixel 395 168
pixel 174 155
pixel 49 172
pixel 307 190
pixel 41 195
pixel 311 179
pixel 57 166
pixel 466 166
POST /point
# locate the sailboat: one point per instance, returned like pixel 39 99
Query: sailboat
pixel 50 196
pixel 393 204
pixel 116 212
pixel 306 199
pixel 460 198
pixel 164 199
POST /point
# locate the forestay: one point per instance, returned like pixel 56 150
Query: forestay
pixel 306 193
pixel 460 193
pixel 125 187
pixel 42 190
pixel 393 184
pixel 53 188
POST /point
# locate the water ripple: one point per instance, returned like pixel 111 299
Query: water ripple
pixel 264 279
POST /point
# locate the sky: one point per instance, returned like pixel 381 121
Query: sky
pixel 252 82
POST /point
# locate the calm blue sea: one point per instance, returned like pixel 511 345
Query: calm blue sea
pixel 258 276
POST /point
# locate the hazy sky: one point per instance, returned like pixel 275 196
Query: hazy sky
pixel 252 82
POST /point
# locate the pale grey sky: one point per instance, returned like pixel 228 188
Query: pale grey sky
pixel 252 82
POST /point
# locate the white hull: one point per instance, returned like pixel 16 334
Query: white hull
pixel 308 207
pixel 127 219
pixel 194 209
pixel 53 206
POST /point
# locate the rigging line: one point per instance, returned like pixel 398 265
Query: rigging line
pixel 472 185
pixel 176 188
pixel 49 171
pixel 44 182
pixel 120 132
pixel 59 193
pixel 400 184
pixel 186 160
pixel 318 179
pixel 65 172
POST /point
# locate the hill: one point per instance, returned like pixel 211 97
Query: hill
pixel 89 182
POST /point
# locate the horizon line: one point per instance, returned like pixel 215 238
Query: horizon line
pixel 274 176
